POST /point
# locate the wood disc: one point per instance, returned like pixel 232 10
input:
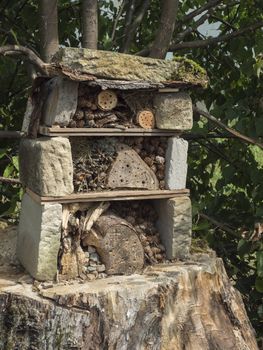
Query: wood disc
pixel 107 100
pixel 146 119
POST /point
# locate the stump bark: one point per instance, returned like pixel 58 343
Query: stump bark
pixel 180 306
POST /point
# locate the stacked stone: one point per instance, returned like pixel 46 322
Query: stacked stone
pixel 46 170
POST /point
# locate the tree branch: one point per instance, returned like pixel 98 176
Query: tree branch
pixel 213 41
pixel 165 31
pixel 18 50
pixel 117 19
pixel 10 181
pixel 11 134
pixel 225 127
pixel 200 10
pixel 132 27
pixel 222 226
pixel 188 30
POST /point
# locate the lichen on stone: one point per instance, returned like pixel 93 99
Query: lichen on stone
pixel 125 67
pixel 190 70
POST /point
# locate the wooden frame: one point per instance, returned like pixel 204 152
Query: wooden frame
pixel 110 196
pixel 58 131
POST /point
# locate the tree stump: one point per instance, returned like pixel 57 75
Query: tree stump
pixel 118 245
pixel 179 306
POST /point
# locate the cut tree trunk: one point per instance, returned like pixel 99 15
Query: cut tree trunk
pixel 180 306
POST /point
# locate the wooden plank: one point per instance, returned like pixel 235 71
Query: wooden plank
pixel 56 131
pixel 109 196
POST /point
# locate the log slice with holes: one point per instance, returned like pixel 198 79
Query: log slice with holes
pixel 130 171
pixel 118 245
pixel 107 100
pixel 146 119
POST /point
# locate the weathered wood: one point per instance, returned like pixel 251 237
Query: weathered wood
pixel 130 171
pixel 109 196
pixel 190 306
pixel 56 131
pixel 118 245
pixel 116 66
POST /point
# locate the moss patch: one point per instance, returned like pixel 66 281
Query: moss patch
pixel 191 71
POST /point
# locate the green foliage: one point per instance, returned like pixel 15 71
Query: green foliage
pixel 225 175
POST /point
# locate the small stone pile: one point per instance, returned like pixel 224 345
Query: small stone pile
pixel 93 267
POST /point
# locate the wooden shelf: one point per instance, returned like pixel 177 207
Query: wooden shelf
pixel 57 131
pixel 110 196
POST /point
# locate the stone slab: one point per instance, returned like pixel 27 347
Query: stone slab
pixel 61 102
pixel 94 64
pixel 39 235
pixel 46 166
pixel 175 226
pixel 176 164
pixel 173 111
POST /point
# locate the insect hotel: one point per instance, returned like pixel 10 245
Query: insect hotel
pixel 104 166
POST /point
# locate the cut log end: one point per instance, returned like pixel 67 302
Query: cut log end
pixel 146 119
pixel 107 100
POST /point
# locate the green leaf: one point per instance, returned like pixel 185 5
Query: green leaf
pixel 243 247
pixel 259 284
pixel 260 263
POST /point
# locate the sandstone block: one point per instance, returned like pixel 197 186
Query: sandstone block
pixel 46 166
pixel 39 236
pixel 176 164
pixel 175 226
pixel 173 111
pixel 61 102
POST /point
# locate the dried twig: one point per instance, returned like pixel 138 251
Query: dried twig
pixel 11 134
pixel 212 41
pixel 222 226
pixel 228 129
pixel 10 181
pixel 18 50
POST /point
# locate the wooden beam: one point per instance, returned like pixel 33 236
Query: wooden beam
pixel 57 131
pixel 110 196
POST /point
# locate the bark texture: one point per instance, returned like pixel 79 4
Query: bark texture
pixel 165 31
pixel 89 17
pixel 48 28
pixel 190 306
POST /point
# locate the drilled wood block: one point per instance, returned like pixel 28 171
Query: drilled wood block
pixel 130 171
pixel 118 245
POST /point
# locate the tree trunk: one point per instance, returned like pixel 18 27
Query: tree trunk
pixel 89 16
pixel 178 306
pixel 165 31
pixel 48 29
